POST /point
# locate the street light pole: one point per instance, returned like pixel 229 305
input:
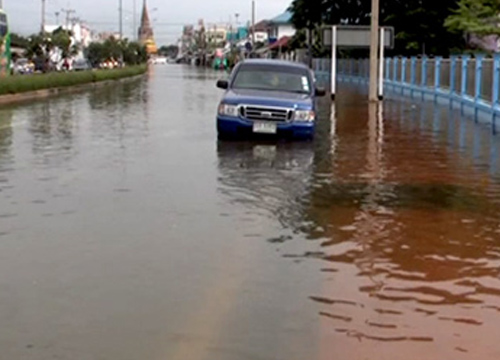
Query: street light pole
pixel 135 19
pixel 121 18
pixel 374 38
pixel 253 22
pixel 43 16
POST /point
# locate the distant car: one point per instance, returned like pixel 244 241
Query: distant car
pixel 41 64
pixel 23 66
pixel 268 97
pixel 109 64
pixel 81 65
pixel 160 60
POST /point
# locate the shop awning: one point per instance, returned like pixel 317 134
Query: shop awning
pixel 281 43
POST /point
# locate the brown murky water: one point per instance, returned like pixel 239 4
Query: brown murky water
pixel 128 232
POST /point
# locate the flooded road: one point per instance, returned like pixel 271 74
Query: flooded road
pixel 128 232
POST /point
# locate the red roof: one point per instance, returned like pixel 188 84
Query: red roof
pixel 282 42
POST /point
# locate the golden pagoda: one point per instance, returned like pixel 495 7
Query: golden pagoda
pixel 146 36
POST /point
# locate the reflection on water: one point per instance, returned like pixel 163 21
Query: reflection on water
pixel 196 97
pixel 266 176
pixel 5 135
pixel 405 227
pixel 6 157
pixel 52 126
pixel 123 94
pixel 127 228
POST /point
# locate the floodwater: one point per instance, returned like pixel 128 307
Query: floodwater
pixel 127 232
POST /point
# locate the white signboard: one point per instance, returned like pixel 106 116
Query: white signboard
pixel 356 36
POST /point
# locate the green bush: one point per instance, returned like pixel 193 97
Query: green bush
pixel 24 83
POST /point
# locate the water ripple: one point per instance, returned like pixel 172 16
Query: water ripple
pixel 407 224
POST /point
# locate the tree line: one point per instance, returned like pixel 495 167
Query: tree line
pixel 433 27
pixel 40 46
pixel 130 52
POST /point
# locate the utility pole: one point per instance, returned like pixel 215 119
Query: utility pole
pixel 1 4
pixel 236 31
pixel 120 14
pixel 374 38
pixel 134 19
pixel 310 40
pixel 74 21
pixel 43 17
pixel 57 18
pixel 253 23
pixel 68 13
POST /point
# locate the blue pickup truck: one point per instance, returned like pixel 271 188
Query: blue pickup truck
pixel 268 97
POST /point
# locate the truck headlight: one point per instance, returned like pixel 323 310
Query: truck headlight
pixel 228 110
pixel 304 115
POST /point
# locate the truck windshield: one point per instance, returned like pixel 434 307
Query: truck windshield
pixel 272 78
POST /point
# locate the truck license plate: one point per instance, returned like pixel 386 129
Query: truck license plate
pixel 264 127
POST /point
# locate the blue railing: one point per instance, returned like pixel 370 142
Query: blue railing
pixel 464 81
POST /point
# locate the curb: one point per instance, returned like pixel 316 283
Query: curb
pixel 11 99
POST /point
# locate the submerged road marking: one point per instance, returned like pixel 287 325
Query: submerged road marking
pixel 217 304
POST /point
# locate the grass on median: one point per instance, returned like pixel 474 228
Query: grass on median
pixel 24 83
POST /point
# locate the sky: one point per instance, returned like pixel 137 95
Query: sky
pixel 168 16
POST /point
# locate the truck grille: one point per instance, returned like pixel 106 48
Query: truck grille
pixel 259 113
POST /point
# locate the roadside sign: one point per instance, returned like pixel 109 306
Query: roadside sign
pixel 355 36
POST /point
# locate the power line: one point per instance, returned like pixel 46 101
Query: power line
pixel 155 24
pixel 68 13
pixel 55 3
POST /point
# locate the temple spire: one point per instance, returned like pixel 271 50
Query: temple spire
pixel 145 22
pixel 146 36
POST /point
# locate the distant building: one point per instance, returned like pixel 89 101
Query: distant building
pixel 85 35
pixel 261 31
pixel 281 26
pixel 238 34
pixel 489 43
pixel 103 36
pixel 216 34
pixel 187 40
pixel 81 35
pixel 146 36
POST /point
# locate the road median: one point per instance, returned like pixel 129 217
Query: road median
pixel 15 89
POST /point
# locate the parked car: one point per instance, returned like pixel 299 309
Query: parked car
pixel 109 64
pixel 81 65
pixel 41 64
pixel 160 60
pixel 23 66
pixel 268 97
